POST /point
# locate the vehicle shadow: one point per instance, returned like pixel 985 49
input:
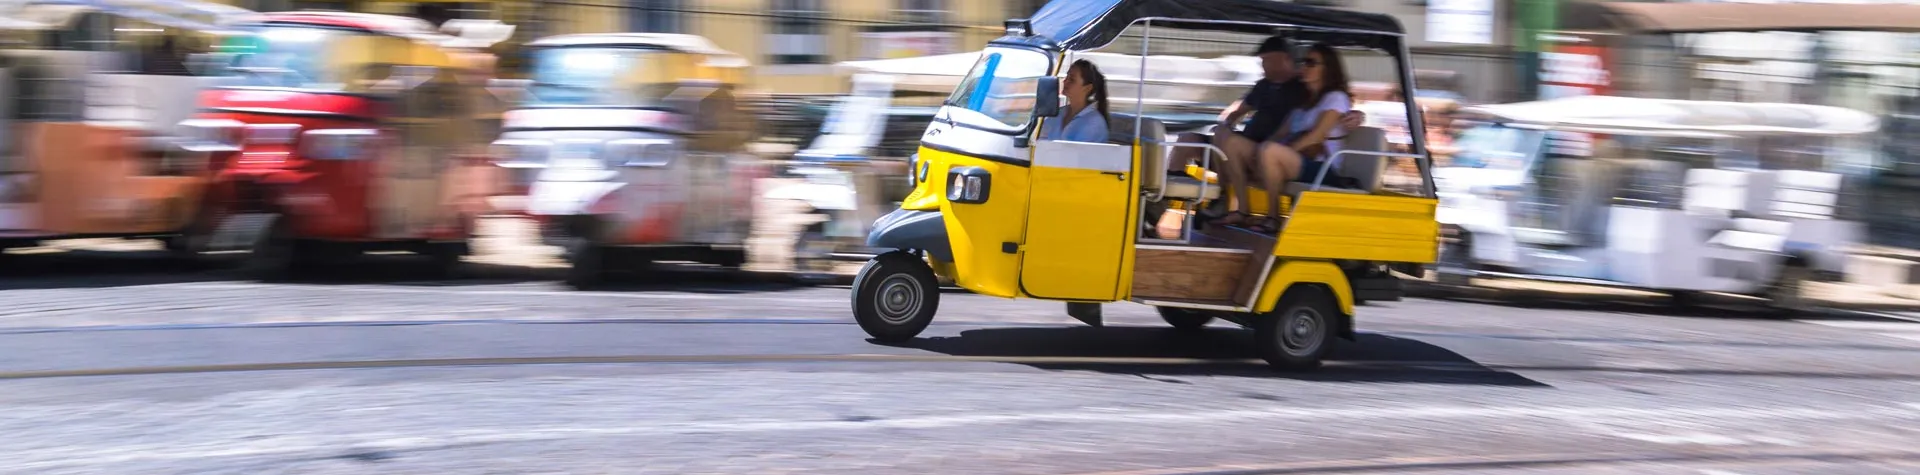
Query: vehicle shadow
pixel 1216 351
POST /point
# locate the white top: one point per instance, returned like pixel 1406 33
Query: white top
pixel 1677 118
pixel 1302 120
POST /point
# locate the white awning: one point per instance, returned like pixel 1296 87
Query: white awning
pixel 1666 117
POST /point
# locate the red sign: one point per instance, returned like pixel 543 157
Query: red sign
pixel 1570 70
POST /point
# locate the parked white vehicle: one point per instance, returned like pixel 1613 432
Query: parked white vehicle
pixel 1668 195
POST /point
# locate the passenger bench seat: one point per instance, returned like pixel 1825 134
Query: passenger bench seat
pixel 1367 169
pixel 1153 158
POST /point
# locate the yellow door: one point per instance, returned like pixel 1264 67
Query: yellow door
pixel 1078 221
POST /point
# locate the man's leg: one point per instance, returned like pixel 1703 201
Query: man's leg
pixel 1239 162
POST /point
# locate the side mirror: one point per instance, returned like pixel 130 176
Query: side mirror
pixel 510 91
pixel 1046 99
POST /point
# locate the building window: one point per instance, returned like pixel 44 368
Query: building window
pixel 799 33
pixel 654 16
pixel 924 12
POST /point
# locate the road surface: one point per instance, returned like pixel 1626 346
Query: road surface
pixel 116 364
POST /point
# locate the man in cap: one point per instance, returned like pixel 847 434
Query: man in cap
pixel 1269 101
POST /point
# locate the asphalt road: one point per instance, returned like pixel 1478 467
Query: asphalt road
pixel 120 363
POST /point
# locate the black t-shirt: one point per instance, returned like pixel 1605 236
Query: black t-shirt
pixel 1271 102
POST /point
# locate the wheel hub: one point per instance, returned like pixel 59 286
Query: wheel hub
pixel 1302 331
pixel 899 299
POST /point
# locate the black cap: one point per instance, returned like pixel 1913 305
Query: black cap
pixel 1276 43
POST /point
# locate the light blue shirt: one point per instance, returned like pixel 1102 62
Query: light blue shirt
pixel 1088 126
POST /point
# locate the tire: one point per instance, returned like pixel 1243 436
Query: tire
pixel 895 297
pixel 588 268
pixel 1786 296
pixel 446 258
pixel 1298 332
pixel 1184 319
pixel 812 255
pixel 1455 252
pixel 277 255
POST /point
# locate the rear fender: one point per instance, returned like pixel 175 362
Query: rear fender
pixel 1290 273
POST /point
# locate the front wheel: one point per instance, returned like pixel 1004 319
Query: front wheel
pixel 1299 330
pixel 895 296
pixel 589 267
pixel 1786 296
pixel 446 258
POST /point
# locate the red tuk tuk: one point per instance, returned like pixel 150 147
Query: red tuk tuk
pixel 345 133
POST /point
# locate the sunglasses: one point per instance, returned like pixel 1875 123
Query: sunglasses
pixel 1308 63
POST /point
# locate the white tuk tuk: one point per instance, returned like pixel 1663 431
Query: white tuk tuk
pixel 1668 195
pixel 633 149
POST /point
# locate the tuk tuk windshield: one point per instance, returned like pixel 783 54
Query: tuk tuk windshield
pixel 1497 147
pixel 587 76
pixel 286 56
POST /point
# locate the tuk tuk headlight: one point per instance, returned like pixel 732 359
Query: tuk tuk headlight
pixel 337 144
pixel 212 135
pixel 519 153
pixel 970 185
pixel 641 152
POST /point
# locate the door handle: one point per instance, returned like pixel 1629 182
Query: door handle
pixel 1121 175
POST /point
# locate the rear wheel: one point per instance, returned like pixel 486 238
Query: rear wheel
pixel 1299 330
pixel 895 297
pixel 1184 319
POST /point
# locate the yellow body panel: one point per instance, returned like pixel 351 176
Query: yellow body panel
pixel 1078 234
pixel 1327 225
pixel 1287 273
pixel 977 231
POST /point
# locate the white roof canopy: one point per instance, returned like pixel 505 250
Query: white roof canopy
pixel 1678 118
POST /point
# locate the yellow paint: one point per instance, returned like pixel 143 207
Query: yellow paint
pixel 1077 233
pixel 1327 225
pixel 1289 273
pixel 976 231
pixel 1256 197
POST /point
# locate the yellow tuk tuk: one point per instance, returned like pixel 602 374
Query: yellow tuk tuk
pixel 1003 213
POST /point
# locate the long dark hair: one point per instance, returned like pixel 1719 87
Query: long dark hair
pixel 1333 72
pixel 1091 74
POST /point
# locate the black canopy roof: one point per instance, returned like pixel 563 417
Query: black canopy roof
pixel 1088 24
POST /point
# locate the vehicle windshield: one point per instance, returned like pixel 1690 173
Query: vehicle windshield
pixel 1496 147
pixel 286 56
pixel 579 76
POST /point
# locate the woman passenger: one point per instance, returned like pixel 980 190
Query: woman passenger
pixel 1312 132
pixel 1086 91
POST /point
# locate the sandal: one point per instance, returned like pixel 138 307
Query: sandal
pixel 1233 218
pixel 1265 225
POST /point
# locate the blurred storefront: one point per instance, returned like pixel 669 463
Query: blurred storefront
pixel 795 43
